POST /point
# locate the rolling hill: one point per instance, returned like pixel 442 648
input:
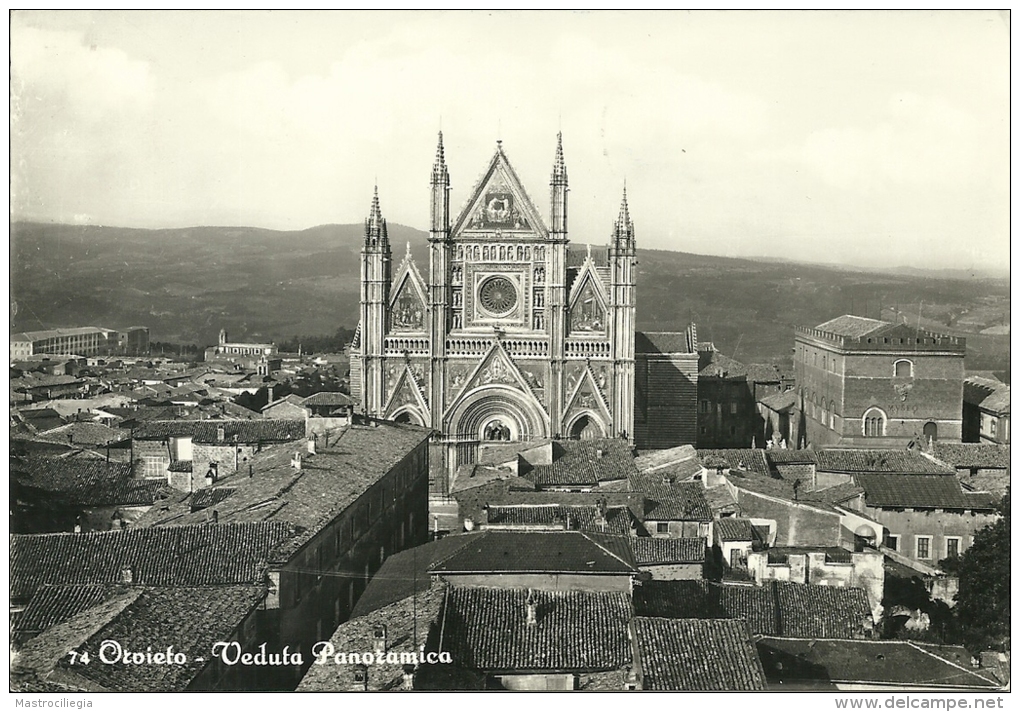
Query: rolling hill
pixel 187 283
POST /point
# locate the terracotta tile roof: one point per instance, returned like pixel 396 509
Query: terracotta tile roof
pixel 716 365
pixel 581 517
pixel 853 326
pixel 403 619
pixel 662 342
pixel 655 550
pixel 900 462
pixel 83 433
pixel 341 471
pixel 791 457
pixel 191 619
pixel 205 431
pixel 763 373
pixel 976 455
pixel 654 460
pixel 704 599
pixel 533 552
pixel 737 459
pixel 181 466
pixel 328 398
pixel 487 629
pixel 681 501
pixel 506 492
pixel 708 655
pixel 921 491
pixel 882 662
pixel 161 556
pixel 986 393
pixel 808 611
pixel 780 402
pixel 577 462
pixel 396 579
pixel 37 665
pixel 55 604
pixel 775 608
pixel 734 529
pixel 784 489
pixel 88 483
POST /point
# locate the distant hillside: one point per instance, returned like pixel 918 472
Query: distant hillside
pixel 187 283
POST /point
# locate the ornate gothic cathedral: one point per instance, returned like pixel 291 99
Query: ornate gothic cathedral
pixel 514 335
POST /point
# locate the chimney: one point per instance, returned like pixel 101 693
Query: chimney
pixel 379 638
pixel 532 610
pixel 251 471
pixel 311 445
pixel 360 678
pixel 220 434
pixel 270 395
pixel 599 453
pixel 295 461
pixel 408 674
pixel 127 575
pixel 215 517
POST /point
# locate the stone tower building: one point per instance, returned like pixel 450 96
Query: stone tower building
pixel 513 335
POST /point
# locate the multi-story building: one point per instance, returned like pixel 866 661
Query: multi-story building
pixel 243 355
pixel 512 335
pixel 985 411
pixel 864 382
pixel 82 341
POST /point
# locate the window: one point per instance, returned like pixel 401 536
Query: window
pixel 733 408
pixel 923 547
pixel 704 406
pixel 952 547
pixel 892 541
pixel 903 369
pixel 662 527
pixel 874 423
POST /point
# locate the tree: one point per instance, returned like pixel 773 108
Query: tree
pixel 982 603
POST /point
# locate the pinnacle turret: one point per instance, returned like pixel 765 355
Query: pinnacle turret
pixel 559 174
pixel 440 175
pixel 375 225
pixel 624 227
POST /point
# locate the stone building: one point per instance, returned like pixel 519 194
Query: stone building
pixel 985 411
pixel 512 334
pixel 869 383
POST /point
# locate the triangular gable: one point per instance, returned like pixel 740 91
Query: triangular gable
pixel 408 298
pixel 500 203
pixel 588 396
pixel 407 392
pixel 588 301
pixel 496 367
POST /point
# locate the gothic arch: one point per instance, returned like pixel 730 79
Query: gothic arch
pixel 481 407
pixel 582 419
pixel 408 414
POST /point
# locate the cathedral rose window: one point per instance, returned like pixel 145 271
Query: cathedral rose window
pixel 498 295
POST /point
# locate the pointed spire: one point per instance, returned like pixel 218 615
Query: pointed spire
pixel 439 172
pixel 559 174
pixel 375 225
pixel 624 227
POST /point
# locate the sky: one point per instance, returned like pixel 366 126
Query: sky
pixel 866 138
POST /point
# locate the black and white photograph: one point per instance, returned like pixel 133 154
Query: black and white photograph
pixel 458 351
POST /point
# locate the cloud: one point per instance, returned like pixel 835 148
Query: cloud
pixel 88 82
pixel 919 141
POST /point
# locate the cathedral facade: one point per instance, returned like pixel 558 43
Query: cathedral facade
pixel 511 334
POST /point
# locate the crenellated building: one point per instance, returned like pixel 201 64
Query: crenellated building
pixel 513 334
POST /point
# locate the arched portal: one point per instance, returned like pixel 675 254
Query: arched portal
pixel 496 412
pixel 586 426
pixel 407 414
